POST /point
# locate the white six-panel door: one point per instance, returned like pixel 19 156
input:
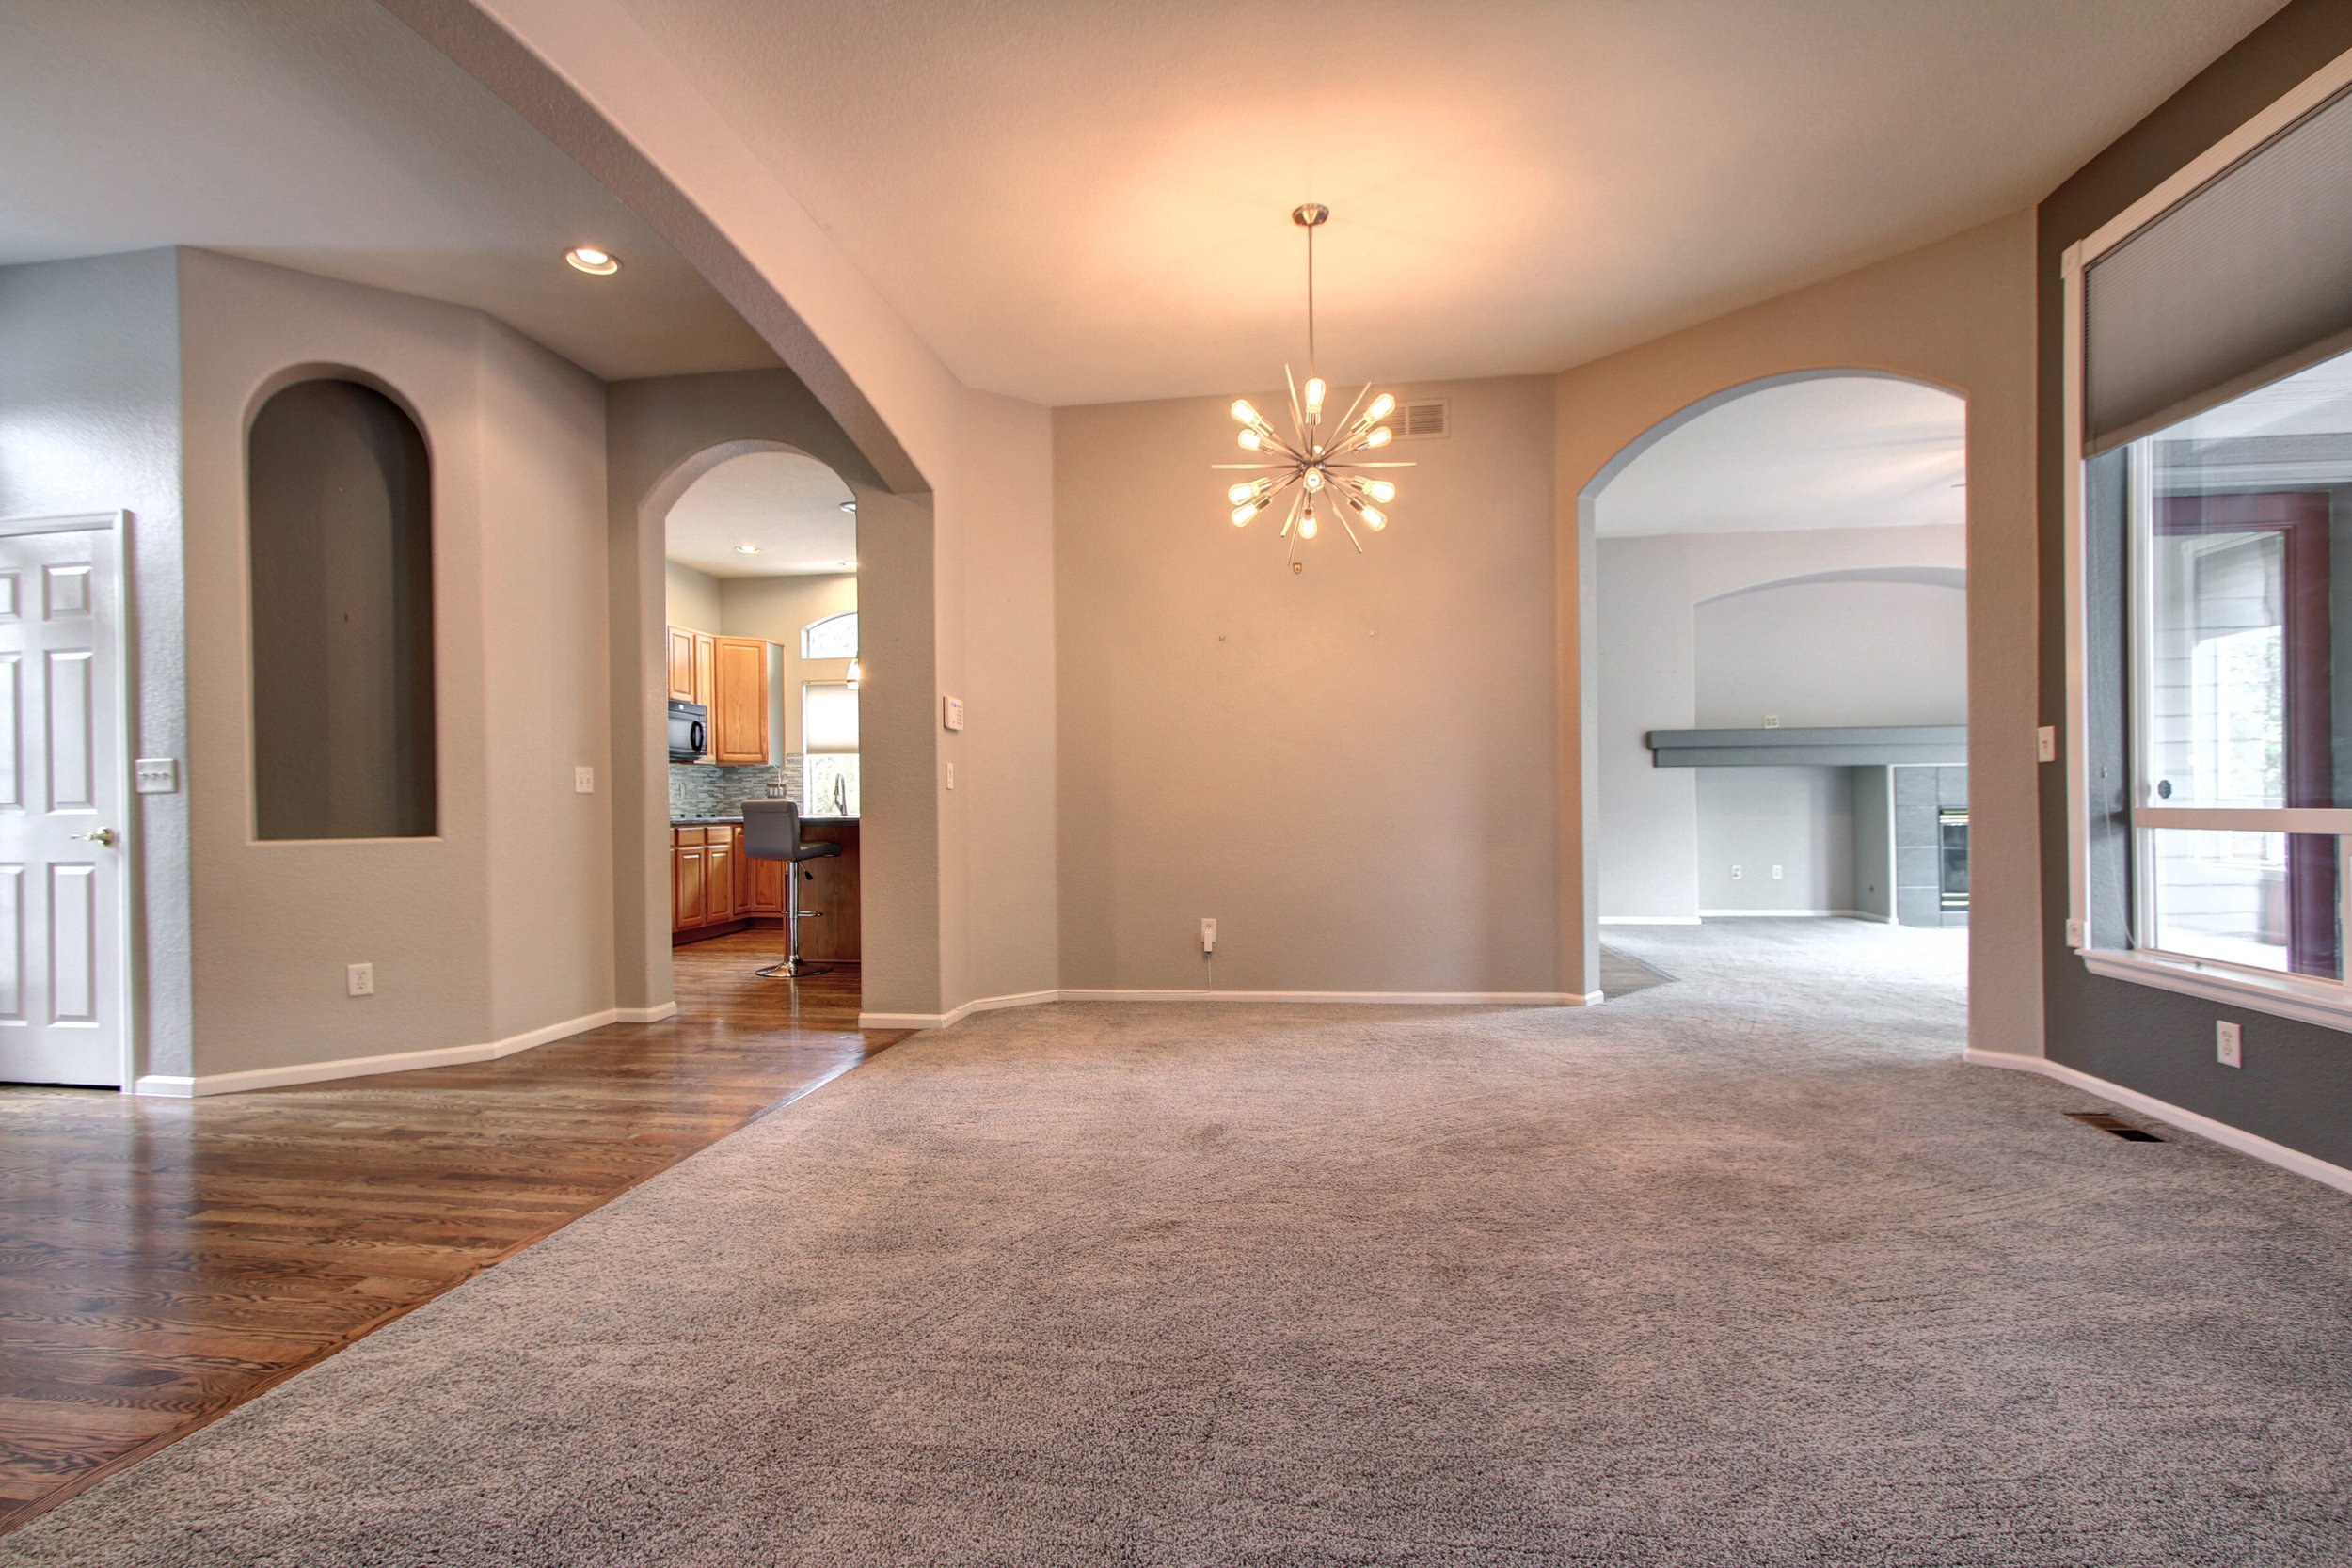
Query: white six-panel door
pixel 61 806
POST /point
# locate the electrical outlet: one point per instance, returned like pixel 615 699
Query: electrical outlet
pixel 1772 721
pixel 584 781
pixel 2226 1044
pixel 1208 936
pixel 2045 742
pixel 360 979
pixel 1776 874
pixel 1736 872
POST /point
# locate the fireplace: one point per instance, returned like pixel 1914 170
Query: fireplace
pixel 1951 831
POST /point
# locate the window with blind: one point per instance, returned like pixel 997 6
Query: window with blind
pixel 828 741
pixel 2210 555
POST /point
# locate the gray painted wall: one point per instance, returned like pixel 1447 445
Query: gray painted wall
pixel 1797 820
pixel 2295 1085
pixel 1353 768
pixel 1690 636
pixel 89 421
pixel 500 924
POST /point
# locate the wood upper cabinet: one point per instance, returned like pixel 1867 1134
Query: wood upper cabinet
pixel 681 665
pixel 706 667
pixel 739 711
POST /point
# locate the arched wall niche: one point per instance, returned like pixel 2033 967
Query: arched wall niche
pixel 340 518
pixel 1956 315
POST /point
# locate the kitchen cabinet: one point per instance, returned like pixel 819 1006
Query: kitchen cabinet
pixel 727 676
pixel 720 860
pixel 738 709
pixel 706 667
pixel 689 879
pixel 762 885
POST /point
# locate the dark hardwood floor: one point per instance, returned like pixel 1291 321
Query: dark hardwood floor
pixel 161 1260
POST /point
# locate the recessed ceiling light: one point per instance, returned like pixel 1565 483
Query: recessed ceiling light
pixel 587 258
pixel 747 550
pixel 850 507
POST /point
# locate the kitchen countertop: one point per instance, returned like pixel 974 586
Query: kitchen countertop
pixel 737 821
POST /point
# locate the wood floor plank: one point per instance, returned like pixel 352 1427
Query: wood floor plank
pixel 162 1261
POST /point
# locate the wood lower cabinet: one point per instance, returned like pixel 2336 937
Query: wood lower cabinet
pixel 716 888
pixel 690 880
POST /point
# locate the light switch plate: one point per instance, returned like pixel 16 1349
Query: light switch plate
pixel 584 781
pixel 951 712
pixel 2045 742
pixel 155 776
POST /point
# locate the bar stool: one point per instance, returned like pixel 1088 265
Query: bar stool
pixel 771 832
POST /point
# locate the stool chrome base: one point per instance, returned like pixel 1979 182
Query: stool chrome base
pixel 791 968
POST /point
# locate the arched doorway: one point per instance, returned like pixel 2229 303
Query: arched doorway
pixel 1779 570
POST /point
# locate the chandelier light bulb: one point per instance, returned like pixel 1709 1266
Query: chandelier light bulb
pixel 1243 412
pixel 1380 489
pixel 1307 526
pixel 1382 407
pixel 1373 518
pixel 1315 389
pixel 1244 513
pixel 1379 437
pixel 1249 441
pixel 1244 491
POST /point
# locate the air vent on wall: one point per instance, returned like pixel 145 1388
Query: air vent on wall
pixel 1425 420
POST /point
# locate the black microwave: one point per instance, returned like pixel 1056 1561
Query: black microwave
pixel 689 732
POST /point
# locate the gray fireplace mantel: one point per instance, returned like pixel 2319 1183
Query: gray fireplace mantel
pixel 1856 745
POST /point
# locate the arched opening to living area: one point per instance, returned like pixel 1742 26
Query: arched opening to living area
pixel 1778 654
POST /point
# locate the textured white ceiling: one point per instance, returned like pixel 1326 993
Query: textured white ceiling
pixel 1843 452
pixel 787 504
pixel 1074 202
pixel 325 135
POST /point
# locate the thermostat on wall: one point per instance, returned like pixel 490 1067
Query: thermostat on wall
pixel 951 712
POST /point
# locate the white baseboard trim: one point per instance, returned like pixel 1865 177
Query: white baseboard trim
pixel 941 1020
pixel 1383 998
pixel 1649 920
pixel 179 1087
pixel 1775 914
pixel 2188 1121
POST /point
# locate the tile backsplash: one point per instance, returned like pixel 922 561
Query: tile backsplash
pixel 701 789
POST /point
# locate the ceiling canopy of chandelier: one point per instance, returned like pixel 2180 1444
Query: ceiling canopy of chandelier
pixel 1325 474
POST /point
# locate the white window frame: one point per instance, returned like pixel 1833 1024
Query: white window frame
pixel 826 621
pixel 2297 996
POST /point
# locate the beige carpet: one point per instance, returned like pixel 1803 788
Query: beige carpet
pixel 1741 1270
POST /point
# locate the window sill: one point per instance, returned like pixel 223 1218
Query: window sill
pixel 2317 1002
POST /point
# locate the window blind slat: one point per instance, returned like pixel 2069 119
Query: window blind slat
pixel 2251 274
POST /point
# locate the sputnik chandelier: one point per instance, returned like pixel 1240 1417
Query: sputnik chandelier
pixel 1323 475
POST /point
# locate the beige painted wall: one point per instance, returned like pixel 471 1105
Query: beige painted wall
pixel 1959 313
pixel 500 924
pixel 1352 768
pixel 691 597
pixel 778 608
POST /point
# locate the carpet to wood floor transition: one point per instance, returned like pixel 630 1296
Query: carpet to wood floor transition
pixel 1742 1269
